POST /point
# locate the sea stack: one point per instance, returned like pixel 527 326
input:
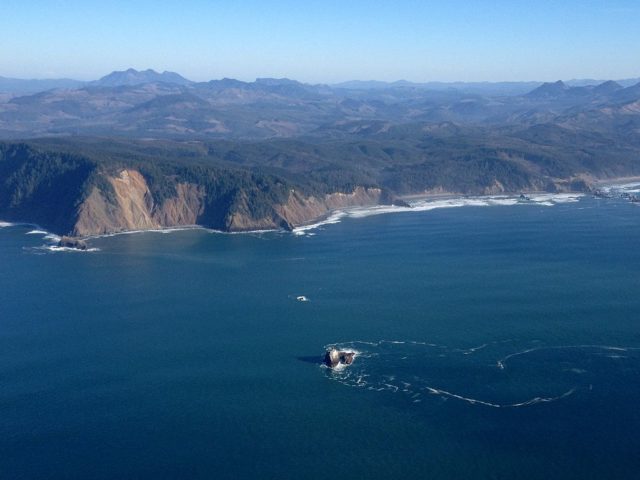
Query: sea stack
pixel 71 242
pixel 334 357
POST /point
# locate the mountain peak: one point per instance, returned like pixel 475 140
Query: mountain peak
pixel 132 76
pixel 549 89
pixel 607 87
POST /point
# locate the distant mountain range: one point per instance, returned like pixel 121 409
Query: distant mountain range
pixel 275 153
pixel 136 77
pixel 149 104
pixel 560 89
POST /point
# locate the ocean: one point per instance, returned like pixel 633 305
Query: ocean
pixel 496 337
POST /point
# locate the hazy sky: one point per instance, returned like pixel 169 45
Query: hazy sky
pixel 323 41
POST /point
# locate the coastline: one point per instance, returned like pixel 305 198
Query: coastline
pixel 417 202
pixel 618 181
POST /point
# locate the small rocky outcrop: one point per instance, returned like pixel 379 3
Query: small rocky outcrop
pixel 334 358
pixel 72 242
pixel 387 198
pixel 398 202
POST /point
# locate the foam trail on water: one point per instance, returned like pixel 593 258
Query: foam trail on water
pixel 413 368
pixel 6 224
pixel 474 349
pixel 475 401
pixel 501 364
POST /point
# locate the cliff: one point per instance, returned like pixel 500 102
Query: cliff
pixel 132 207
pixel 94 187
pixel 72 195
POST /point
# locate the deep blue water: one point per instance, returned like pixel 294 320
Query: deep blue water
pixel 186 355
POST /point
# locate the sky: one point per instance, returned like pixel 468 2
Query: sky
pixel 323 41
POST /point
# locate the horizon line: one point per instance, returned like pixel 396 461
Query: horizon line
pixel 352 80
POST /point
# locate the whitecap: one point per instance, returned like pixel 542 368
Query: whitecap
pixel 6 224
pixel 52 237
pixel 37 232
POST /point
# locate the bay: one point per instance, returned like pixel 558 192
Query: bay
pixel 495 342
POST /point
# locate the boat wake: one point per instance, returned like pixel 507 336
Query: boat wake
pixel 495 374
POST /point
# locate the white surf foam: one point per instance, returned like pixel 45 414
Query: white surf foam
pixel 620 186
pixel 181 229
pixel 52 237
pixel 37 232
pixel 335 217
pixel 6 224
pixel 156 230
pixel 55 248
pixel 340 367
pixel 555 198
pixel 427 204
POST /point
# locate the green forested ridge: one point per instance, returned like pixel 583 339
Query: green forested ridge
pixel 43 187
pixel 45 180
pixel 248 145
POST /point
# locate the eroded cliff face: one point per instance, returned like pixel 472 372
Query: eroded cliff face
pixel 300 209
pixel 128 205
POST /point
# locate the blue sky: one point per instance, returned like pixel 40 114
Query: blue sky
pixel 323 41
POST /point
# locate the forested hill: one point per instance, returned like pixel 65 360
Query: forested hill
pixel 87 186
pixel 141 150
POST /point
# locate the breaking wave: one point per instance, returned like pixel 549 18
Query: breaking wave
pixel 52 237
pixel 335 217
pixel 55 248
pixel 632 187
pixel 485 375
pixel 153 230
pixel 52 244
pixel 426 204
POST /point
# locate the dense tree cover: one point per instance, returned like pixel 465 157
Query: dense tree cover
pixel 50 176
pixel 42 187
pixel 246 146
